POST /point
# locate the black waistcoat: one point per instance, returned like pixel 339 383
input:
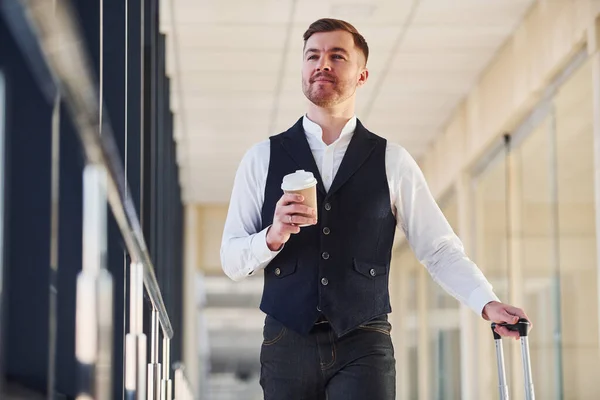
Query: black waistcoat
pixel 339 267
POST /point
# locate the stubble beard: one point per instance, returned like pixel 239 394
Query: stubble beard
pixel 327 97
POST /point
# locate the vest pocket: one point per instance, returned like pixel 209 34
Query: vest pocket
pixel 281 270
pixel 369 269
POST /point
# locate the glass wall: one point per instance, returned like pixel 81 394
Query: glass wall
pixel 407 336
pixel 577 236
pixel 536 191
pixel 428 344
pixel 536 242
pixel 443 329
pixel 533 231
pixel 491 255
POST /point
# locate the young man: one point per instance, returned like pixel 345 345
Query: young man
pixel 326 333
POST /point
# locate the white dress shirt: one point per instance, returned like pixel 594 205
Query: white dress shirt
pixel 244 248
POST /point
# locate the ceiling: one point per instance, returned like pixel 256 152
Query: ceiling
pixel 235 66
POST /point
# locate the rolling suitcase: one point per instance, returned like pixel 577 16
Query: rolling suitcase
pixel 523 328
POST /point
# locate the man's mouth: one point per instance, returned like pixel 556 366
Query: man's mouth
pixel 323 79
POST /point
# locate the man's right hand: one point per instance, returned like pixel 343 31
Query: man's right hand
pixel 287 218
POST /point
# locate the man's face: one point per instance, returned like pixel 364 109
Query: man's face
pixel 332 68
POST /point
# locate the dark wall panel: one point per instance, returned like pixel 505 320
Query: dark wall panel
pixel 28 219
pixel 143 130
pixel 69 253
pixel 114 100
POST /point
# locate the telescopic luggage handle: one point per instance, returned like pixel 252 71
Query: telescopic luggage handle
pixel 522 326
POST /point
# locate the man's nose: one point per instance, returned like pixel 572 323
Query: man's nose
pixel 323 65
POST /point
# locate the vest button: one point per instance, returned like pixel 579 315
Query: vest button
pixel 325 256
pixel 372 272
pixel 326 231
pixel 327 206
pixel 324 281
pixel 278 271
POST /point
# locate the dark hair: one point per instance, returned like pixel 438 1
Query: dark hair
pixel 330 25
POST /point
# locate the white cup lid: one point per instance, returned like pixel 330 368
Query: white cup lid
pixel 298 180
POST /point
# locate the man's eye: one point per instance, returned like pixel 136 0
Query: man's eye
pixel 311 57
pixel 337 56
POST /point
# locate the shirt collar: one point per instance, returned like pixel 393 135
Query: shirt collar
pixel 312 128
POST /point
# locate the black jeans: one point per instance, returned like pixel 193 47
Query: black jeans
pixel 357 366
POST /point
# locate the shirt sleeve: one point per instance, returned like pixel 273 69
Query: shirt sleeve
pixel 244 247
pixel 433 241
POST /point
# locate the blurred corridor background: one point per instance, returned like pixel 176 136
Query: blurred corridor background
pixel 497 100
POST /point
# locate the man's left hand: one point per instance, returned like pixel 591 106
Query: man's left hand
pixel 503 313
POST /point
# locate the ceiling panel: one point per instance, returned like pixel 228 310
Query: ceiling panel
pixel 241 116
pixel 402 119
pixel 201 82
pixel 199 37
pixel 472 12
pixel 220 132
pixel 230 12
pixel 239 72
pixel 229 101
pixel 452 37
pixel 377 36
pixel 390 99
pixel 438 61
pixel 247 60
pixel 440 82
pixel 380 12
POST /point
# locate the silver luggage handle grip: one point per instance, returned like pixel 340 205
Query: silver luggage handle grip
pixel 522 326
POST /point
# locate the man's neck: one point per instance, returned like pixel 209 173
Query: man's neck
pixel 331 120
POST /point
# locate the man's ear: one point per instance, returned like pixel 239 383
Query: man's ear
pixel 363 77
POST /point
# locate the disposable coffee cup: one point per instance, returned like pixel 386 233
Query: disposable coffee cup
pixel 303 183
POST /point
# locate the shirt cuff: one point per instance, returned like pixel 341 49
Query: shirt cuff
pixel 260 250
pixel 480 297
